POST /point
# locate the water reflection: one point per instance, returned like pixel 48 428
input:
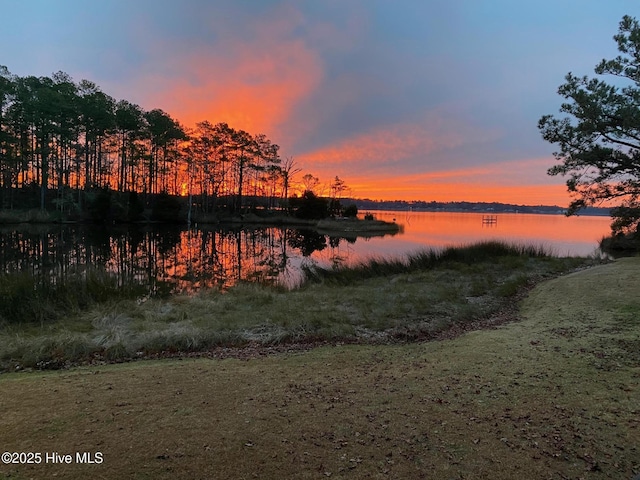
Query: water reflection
pixel 563 236
pixel 168 259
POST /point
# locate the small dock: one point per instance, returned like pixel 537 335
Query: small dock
pixel 489 219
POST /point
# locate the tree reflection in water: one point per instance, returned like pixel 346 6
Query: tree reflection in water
pixel 164 258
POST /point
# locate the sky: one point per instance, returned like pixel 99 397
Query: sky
pixel 402 99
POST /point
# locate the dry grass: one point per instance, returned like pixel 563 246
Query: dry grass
pixel 552 396
pixel 383 300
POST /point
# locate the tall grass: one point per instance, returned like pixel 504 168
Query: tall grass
pixel 26 297
pixel 425 260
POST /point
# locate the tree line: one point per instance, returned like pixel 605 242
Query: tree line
pixel 60 140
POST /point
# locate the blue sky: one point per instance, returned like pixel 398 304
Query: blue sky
pixel 427 99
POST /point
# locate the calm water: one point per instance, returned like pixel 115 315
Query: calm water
pixel 564 236
pixel 172 259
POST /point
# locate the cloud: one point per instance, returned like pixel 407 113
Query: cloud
pixel 418 146
pixel 250 81
pixel 328 83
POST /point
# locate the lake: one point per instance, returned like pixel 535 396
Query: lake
pixel 168 259
pixel 564 236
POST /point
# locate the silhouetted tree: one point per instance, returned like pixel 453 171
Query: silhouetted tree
pixel 310 182
pixel 55 133
pixel 97 119
pixel 244 149
pixel 8 142
pixel 599 142
pixel 309 206
pixel 129 120
pixel 287 171
pixel 265 166
pixel 163 132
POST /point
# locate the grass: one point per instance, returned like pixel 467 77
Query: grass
pixel 27 216
pixel 380 301
pixel 479 253
pixel 551 396
pixel 26 297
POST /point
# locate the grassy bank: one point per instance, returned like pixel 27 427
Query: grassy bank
pixel 12 217
pixel 357 226
pixel 28 299
pixel 551 396
pixel 379 301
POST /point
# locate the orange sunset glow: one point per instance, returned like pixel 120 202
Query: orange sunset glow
pixel 416 103
pixel 447 192
pixel 370 163
pixel 278 83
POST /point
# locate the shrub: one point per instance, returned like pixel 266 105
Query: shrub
pixel 621 243
pixel 335 207
pixel 99 205
pixel 350 211
pixel 309 206
pixel 135 207
pixel 167 208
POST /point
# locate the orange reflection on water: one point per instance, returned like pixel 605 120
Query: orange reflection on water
pixel 516 226
pixel 162 259
pixel 563 235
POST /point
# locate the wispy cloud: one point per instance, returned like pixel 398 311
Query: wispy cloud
pixel 414 144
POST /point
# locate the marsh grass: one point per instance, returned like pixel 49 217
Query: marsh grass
pixel 89 318
pixel 428 259
pixel 26 297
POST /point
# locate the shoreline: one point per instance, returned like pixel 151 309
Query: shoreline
pixel 91 318
pixel 335 225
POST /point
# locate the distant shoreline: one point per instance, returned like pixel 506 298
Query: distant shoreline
pixel 468 207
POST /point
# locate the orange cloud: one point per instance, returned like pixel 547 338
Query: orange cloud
pixel 372 165
pixel 252 83
pixel 255 79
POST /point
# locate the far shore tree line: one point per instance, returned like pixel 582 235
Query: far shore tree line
pixel 71 147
